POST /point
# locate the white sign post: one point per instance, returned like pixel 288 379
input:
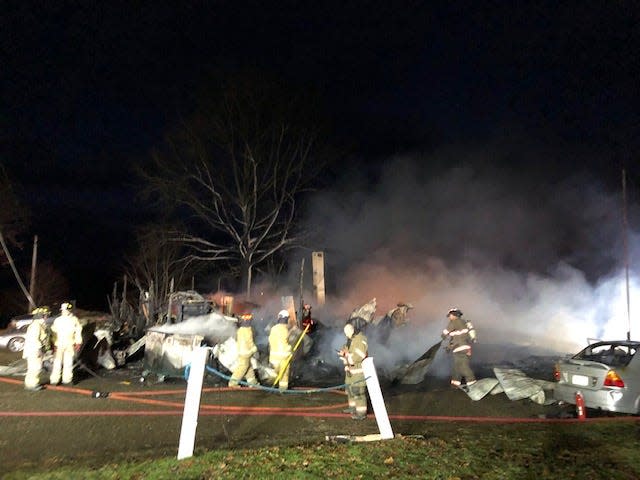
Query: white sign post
pixel 375 394
pixel 192 403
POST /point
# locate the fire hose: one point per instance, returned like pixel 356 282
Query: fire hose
pixel 271 389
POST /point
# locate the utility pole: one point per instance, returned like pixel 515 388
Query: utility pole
pixel 14 269
pixel 32 280
pixel 625 227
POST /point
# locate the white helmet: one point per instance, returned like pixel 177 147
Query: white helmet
pixel 283 314
pixel 349 330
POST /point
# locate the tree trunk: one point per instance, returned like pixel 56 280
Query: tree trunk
pixel 247 274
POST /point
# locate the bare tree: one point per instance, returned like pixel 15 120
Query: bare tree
pixel 234 172
pixel 53 287
pixel 152 268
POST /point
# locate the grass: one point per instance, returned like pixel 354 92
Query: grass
pixel 445 451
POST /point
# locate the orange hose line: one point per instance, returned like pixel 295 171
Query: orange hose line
pixel 231 408
pixel 425 418
pixel 160 392
pixel 209 410
pixel 59 388
pixel 126 397
pixel 11 380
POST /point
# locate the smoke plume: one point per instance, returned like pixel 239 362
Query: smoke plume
pixel 532 260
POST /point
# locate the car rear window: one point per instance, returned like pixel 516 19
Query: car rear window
pixel 612 354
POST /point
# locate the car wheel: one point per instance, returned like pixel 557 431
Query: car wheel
pixel 16 344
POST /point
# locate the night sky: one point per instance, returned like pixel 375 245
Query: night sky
pixel 88 90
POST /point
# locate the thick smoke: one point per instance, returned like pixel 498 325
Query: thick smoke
pixel 531 260
pixel 214 326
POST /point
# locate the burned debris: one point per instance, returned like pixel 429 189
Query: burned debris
pixel 169 332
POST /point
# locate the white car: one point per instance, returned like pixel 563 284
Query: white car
pixel 13 339
pixel 607 374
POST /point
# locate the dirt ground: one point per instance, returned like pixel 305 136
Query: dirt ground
pixel 142 419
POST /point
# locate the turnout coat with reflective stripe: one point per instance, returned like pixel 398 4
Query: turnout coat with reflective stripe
pixel 458 334
pixel 67 330
pixel 279 348
pixel 357 352
pixel 246 345
pixel 36 340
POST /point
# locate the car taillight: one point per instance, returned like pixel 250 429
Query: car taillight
pixel 613 380
pixel 556 372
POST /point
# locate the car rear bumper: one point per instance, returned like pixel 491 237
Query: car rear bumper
pixel 612 399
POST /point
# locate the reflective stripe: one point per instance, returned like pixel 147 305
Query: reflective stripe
pixel 355 370
pixel 361 353
pixel 281 353
pixel 461 348
pixel 247 353
pixel 456 383
pixel 459 332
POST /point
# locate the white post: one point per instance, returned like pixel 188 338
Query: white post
pixel 375 394
pixel 192 403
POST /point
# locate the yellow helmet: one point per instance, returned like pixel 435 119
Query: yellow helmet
pixel 40 312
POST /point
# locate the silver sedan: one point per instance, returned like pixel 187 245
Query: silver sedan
pixel 607 374
pixel 13 339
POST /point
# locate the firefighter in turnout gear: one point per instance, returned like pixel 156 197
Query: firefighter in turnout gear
pixel 67 332
pixel 352 355
pixel 307 321
pixel 246 349
pixel 280 350
pixel 460 334
pixel 36 343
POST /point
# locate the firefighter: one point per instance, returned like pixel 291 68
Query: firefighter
pixel 352 355
pixel 307 320
pixel 461 335
pixel 280 349
pixel 68 339
pixel 246 349
pixel 36 343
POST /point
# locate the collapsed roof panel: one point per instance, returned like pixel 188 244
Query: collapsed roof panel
pixel 516 384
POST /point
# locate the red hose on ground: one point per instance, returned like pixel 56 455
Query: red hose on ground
pixel 236 410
